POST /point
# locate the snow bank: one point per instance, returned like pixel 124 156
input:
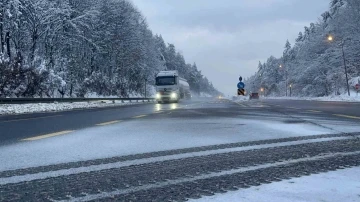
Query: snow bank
pixel 51 107
pixel 240 98
pixel 341 185
pixel 339 98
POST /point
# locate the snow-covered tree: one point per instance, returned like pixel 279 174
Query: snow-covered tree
pixel 314 64
pixel 58 48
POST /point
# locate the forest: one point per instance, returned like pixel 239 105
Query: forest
pixel 72 48
pixel 315 64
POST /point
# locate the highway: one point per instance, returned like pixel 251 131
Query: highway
pixel 344 109
pixel 18 127
pixel 173 152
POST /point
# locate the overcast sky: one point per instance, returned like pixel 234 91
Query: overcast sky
pixel 228 38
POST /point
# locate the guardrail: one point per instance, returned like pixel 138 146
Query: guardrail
pixel 52 100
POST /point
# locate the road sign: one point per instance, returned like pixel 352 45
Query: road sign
pixel 241 91
pixel 241 85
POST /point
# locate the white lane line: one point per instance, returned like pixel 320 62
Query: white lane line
pixel 91 197
pixel 294 108
pixel 66 172
pixel 315 111
pixel 108 123
pixel 48 135
pixel 241 104
pixel 137 117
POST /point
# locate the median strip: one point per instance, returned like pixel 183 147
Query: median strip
pixel 108 123
pixel 346 116
pixel 48 135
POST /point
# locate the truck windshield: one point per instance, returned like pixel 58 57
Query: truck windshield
pixel 163 81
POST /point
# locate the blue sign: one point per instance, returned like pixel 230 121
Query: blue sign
pixel 241 85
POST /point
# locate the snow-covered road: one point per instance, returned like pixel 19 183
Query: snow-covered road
pixel 181 151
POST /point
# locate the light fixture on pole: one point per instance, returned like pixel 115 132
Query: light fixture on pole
pixel 286 79
pixel 330 38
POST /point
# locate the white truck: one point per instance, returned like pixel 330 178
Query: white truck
pixel 170 87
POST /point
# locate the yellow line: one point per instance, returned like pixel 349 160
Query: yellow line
pixel 346 116
pixel 107 123
pixel 48 135
pixel 314 111
pixel 42 117
pixel 141 116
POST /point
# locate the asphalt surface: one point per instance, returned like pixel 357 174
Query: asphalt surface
pixel 17 127
pixel 260 156
pixel 342 108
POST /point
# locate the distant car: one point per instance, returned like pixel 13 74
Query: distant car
pixel 254 96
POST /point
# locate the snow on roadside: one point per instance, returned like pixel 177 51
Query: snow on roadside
pixel 52 107
pixel 341 185
pixel 340 98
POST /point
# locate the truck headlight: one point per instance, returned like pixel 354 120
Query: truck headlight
pixel 173 95
pixel 157 96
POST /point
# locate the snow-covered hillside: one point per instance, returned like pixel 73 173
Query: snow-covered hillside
pixel 71 48
pixel 314 65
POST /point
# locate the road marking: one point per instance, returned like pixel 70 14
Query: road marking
pixel 48 135
pixel 108 123
pixel 346 116
pixel 241 104
pixel 137 117
pixel 294 108
pixel 314 111
pixel 209 175
pixel 140 161
pixel 42 117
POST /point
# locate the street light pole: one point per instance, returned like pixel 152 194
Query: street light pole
pixel 290 89
pixel 331 38
pixel 145 86
pixel 286 82
pixel 286 79
pixel 346 73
